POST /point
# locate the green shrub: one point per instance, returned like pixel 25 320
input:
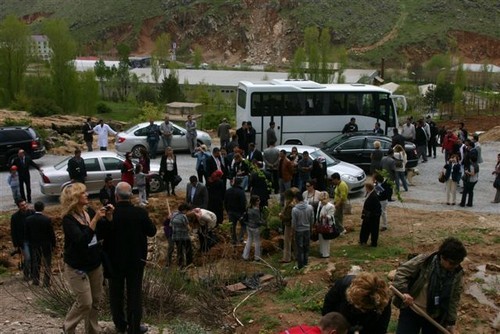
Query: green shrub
pixel 103 108
pixel 11 121
pixel 22 102
pixel 42 107
pixel 147 93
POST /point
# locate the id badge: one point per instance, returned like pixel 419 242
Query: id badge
pixel 436 300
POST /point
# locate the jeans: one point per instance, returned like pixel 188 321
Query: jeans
pixel 27 260
pixel 153 148
pixel 167 141
pixel 283 186
pixel 400 176
pixel 143 197
pixel 421 152
pixel 234 218
pixel 468 190
pixel 184 248
pixel 302 240
pixel 253 237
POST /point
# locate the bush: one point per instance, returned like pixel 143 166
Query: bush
pixel 103 108
pixel 147 94
pixel 22 102
pixel 42 107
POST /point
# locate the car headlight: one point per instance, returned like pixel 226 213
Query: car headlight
pixel 348 178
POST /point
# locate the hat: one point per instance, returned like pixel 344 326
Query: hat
pixel 14 167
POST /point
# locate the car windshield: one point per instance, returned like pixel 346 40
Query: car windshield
pixel 330 161
pixel 333 141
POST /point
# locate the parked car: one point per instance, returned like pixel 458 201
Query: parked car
pixel 99 164
pixel 354 176
pixel 357 147
pixel 14 138
pixel 133 139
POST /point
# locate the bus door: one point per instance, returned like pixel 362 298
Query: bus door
pixel 272 109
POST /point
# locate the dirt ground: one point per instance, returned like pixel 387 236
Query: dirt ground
pixel 412 231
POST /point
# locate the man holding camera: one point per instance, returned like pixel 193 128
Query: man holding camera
pixel 126 245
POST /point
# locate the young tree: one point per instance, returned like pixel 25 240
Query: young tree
pixel 170 89
pixel 325 55
pixel 123 73
pixel 197 56
pixel 162 51
pixel 102 72
pixel 14 48
pixel 311 46
pixel 155 69
pixel 89 92
pixel 297 69
pixel 63 73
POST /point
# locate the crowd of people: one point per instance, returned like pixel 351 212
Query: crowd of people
pixel 112 241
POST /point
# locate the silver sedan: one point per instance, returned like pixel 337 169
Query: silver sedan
pixel 354 176
pixel 99 164
pixel 134 139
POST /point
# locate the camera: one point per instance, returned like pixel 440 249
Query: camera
pixel 107 207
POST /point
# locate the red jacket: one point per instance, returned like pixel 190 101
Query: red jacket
pixel 448 141
pixel 128 172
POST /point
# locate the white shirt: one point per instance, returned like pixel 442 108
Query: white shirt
pixel 102 134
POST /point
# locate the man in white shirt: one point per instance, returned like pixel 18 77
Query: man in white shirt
pixel 103 130
pixel 408 130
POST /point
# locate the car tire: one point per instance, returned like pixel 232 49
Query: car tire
pixel 155 184
pixel 136 151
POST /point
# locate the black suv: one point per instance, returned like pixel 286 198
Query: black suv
pixel 14 138
pixel 357 147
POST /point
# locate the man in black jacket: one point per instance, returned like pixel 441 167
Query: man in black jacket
pixel 127 247
pixel 235 203
pixel 88 134
pixel 23 163
pixel 107 193
pixel 18 234
pixel 42 240
pixel 76 167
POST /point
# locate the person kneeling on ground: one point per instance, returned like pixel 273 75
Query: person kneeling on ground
pixel 330 323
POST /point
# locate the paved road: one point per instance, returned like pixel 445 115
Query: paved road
pixel 427 194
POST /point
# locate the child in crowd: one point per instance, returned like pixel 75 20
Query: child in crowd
pixel 140 182
pixel 255 220
pixel 13 181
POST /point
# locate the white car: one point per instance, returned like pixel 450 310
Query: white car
pixel 134 139
pixel 354 176
pixel 99 164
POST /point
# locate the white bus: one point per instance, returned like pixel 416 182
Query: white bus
pixel 306 112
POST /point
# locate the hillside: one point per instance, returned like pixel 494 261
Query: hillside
pixel 260 31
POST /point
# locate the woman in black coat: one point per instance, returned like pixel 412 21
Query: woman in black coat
pixel 168 169
pixel 364 300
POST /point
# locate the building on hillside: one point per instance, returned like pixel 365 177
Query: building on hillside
pixel 40 48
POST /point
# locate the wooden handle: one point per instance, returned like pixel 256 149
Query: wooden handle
pixel 420 312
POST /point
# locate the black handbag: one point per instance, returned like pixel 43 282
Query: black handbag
pixel 328 232
pixel 177 180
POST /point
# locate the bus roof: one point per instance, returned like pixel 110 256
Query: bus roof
pixel 289 85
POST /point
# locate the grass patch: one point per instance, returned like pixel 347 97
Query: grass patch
pixel 360 254
pixel 121 111
pixel 303 297
pixel 269 322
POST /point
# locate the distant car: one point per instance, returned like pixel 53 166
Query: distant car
pixel 357 147
pixel 99 164
pixel 133 139
pixel 14 138
pixel 354 176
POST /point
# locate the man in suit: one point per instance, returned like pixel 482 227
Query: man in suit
pixel 107 193
pixel 215 162
pixel 76 168
pixel 196 193
pixel 370 216
pixel 255 154
pixel 42 240
pixel 126 245
pixel 88 134
pixel 242 136
pixel 23 163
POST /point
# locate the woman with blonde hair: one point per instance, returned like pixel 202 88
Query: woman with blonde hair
pixel 325 214
pixel 400 163
pixel 376 157
pixel 83 229
pixel 364 300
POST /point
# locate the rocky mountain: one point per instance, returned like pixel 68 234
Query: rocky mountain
pixel 258 31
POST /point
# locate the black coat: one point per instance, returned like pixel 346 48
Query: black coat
pixel 200 198
pixel 216 193
pixel 39 231
pixel 367 322
pixel 235 200
pixel 211 166
pixel 88 131
pixel 77 170
pixel 107 198
pixel 371 207
pixel 17 227
pixel 23 169
pixel 126 242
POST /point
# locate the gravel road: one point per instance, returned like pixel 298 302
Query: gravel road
pixel 426 194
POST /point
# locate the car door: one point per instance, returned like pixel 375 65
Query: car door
pixel 179 142
pixel 351 151
pixel 95 178
pixel 112 167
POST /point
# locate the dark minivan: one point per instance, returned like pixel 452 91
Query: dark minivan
pixel 14 138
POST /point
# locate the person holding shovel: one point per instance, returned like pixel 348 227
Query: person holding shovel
pixel 432 283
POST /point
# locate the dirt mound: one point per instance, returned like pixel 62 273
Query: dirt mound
pixel 491 135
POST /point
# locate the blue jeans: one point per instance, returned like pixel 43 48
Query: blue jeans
pixel 283 186
pixel 400 176
pixel 167 141
pixel 234 217
pixel 27 260
pixel 302 240
pixel 411 323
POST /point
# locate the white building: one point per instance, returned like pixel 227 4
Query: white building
pixel 40 47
